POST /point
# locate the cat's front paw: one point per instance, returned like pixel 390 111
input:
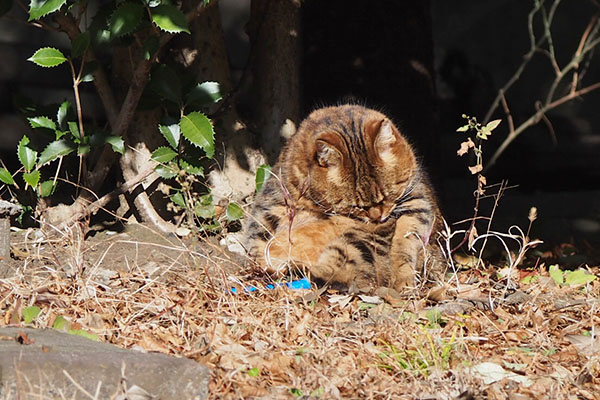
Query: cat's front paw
pixel 404 277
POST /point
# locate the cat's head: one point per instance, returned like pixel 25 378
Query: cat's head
pixel 350 160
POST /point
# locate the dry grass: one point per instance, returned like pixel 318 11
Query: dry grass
pixel 285 343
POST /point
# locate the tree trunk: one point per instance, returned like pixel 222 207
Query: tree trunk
pixel 236 156
pixel 274 33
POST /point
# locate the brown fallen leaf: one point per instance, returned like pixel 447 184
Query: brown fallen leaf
pixel 437 294
pixel 585 345
pixel 147 342
pixel 251 391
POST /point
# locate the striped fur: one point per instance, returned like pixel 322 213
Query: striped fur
pixel 347 203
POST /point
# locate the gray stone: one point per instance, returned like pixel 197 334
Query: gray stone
pixel 60 365
pixel 6 210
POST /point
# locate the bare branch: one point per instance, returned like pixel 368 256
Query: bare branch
pixel 511 123
pixel 535 45
pixel 94 207
pixel 535 118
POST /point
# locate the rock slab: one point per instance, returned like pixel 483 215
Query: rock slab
pixel 60 365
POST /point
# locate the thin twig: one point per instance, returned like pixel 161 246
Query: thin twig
pixel 579 50
pixel 511 123
pixel 93 208
pixel 535 118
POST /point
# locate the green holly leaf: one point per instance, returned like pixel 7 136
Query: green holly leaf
pixel 63 114
pixel 47 57
pixel 166 171
pixel 178 199
pixel 32 178
pixel 190 166
pixel 117 143
pixel 58 148
pixel 41 122
pixel 46 188
pixel 204 94
pixel 126 19
pixel 169 18
pixel 40 8
pixel 87 75
pixel 163 154
pixel 74 129
pixel 171 133
pixel 27 156
pixel 6 177
pixel 196 128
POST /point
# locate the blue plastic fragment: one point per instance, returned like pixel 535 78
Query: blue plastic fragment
pixel 303 283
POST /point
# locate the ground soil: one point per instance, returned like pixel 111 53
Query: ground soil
pixel 488 331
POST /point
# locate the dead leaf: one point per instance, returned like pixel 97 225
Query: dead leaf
pixel 482 180
pixel 148 343
pixel 491 372
pixel 464 147
pixel 585 345
pixel 392 296
pixel 437 294
pixel 340 299
pixel 251 391
pixel 301 327
pixel 476 168
pixel 466 260
pixel 370 299
pixel 472 236
pixel 233 356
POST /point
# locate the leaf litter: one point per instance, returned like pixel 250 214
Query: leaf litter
pixel 470 338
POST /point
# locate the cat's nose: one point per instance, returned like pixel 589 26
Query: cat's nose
pixel 374 213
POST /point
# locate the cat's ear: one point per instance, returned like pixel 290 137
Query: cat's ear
pixel 385 140
pixel 327 154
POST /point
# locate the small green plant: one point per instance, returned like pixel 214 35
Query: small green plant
pixel 61 324
pixel 428 353
pixel 482 132
pixel 30 313
pixel 578 277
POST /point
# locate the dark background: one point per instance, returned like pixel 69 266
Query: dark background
pixel 424 64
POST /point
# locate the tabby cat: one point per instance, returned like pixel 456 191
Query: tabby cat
pixel 347 203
